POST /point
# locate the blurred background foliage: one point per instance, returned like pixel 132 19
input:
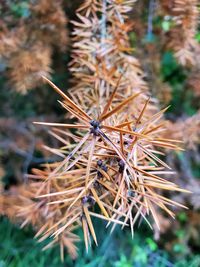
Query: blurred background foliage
pixel 178 244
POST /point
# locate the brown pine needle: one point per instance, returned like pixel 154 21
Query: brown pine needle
pixel 89 222
pixel 92 146
pixel 154 214
pixel 86 233
pixel 122 143
pixel 67 99
pixel 65 161
pixel 142 112
pixel 71 191
pixel 112 128
pixel 127 123
pixel 119 191
pixel 105 218
pixel 73 112
pixel 106 108
pixel 81 193
pixel 99 202
pixel 69 222
pixel 79 126
pixel 119 107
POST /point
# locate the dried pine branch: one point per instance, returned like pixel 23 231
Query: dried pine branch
pixel 182 36
pixel 110 166
pixel 26 46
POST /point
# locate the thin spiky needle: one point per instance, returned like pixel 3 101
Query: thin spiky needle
pixel 113 166
pixel 110 165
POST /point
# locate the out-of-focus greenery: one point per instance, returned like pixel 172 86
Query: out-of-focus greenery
pixel 172 73
pixel 18 249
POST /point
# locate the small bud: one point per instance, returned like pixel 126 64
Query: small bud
pixel 88 200
pixel 104 168
pixel 99 175
pixel 99 162
pixel 130 193
pixel 121 165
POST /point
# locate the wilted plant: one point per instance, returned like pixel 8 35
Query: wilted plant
pixel 26 45
pixel 111 166
pixel 185 17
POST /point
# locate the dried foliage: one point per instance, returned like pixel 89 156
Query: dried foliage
pixel 102 56
pixel 193 82
pixel 26 45
pixel 187 130
pixel 185 15
pixel 112 165
pixel 110 160
pixel 193 77
pixel 27 66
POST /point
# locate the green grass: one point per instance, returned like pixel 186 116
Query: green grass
pixel 19 249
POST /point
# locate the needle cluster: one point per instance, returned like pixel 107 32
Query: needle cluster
pixel 111 150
